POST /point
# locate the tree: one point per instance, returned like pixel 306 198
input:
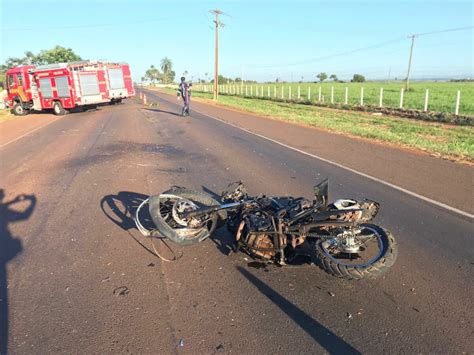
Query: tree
pixel 56 55
pixel 358 78
pixel 167 68
pixel 322 76
pixel 333 77
pixel 153 74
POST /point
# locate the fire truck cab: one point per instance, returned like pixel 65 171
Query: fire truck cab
pixel 18 84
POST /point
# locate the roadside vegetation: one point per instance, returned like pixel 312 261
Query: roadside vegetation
pixel 56 54
pixel 443 140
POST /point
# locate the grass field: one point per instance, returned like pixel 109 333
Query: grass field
pixel 448 141
pixel 442 95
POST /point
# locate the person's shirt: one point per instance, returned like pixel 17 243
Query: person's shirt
pixel 184 89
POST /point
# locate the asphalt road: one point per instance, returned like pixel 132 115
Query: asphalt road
pixel 67 243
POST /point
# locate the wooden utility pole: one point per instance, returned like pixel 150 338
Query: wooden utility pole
pixel 407 80
pixel 216 64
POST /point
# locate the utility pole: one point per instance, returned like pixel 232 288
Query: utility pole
pixel 216 64
pixel 409 62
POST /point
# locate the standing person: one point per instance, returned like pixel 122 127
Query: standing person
pixel 184 91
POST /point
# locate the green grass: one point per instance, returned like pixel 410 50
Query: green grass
pixel 445 140
pixel 442 95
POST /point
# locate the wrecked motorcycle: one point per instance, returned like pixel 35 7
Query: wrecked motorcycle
pixel 336 236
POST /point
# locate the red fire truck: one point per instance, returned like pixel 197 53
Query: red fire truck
pixel 64 86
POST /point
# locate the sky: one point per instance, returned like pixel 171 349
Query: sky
pixel 261 40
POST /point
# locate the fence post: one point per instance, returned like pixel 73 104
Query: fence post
pixel 319 94
pixel 309 93
pixel 251 90
pixel 401 97
pixel 346 96
pixel 268 91
pixel 362 96
pixel 299 91
pixel 458 100
pixel 282 93
pixel 246 91
pixel 381 98
pixel 141 95
pixel 289 92
pixel 262 91
pixel 427 93
pixel 332 94
pixel 144 99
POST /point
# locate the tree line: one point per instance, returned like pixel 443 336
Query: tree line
pixel 357 78
pixel 165 76
pixel 58 54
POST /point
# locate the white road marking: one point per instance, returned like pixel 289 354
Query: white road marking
pixel 393 186
pixel 29 132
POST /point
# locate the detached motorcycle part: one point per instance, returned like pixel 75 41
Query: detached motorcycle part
pixel 350 256
pixel 167 212
pixel 321 193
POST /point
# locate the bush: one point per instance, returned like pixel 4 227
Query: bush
pixel 358 78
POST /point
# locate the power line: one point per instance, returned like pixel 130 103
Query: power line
pixel 330 56
pixel 374 46
pixel 444 31
pixel 85 26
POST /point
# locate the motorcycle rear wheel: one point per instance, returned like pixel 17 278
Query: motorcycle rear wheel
pixel 337 266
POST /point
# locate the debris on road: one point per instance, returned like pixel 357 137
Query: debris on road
pixel 181 343
pixel 121 291
pixel 348 315
pixel 331 294
pixel 151 265
pixel 105 279
pixel 220 347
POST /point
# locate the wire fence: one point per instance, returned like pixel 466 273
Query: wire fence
pixel 457 98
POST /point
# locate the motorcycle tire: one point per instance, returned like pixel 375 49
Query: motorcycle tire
pixel 200 198
pixel 374 269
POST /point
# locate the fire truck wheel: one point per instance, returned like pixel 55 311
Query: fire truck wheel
pixel 18 110
pixel 58 109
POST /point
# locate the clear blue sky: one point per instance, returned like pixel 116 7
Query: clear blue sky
pixel 264 39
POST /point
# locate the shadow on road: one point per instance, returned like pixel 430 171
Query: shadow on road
pixel 323 336
pixel 10 247
pixel 163 111
pixel 122 208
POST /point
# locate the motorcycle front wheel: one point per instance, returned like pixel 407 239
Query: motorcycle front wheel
pixel 370 255
pixel 165 210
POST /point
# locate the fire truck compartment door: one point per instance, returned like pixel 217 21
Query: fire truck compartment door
pixel 62 86
pixel 89 84
pixel 46 88
pixel 116 78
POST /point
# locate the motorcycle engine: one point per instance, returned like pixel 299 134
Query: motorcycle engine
pixel 252 235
